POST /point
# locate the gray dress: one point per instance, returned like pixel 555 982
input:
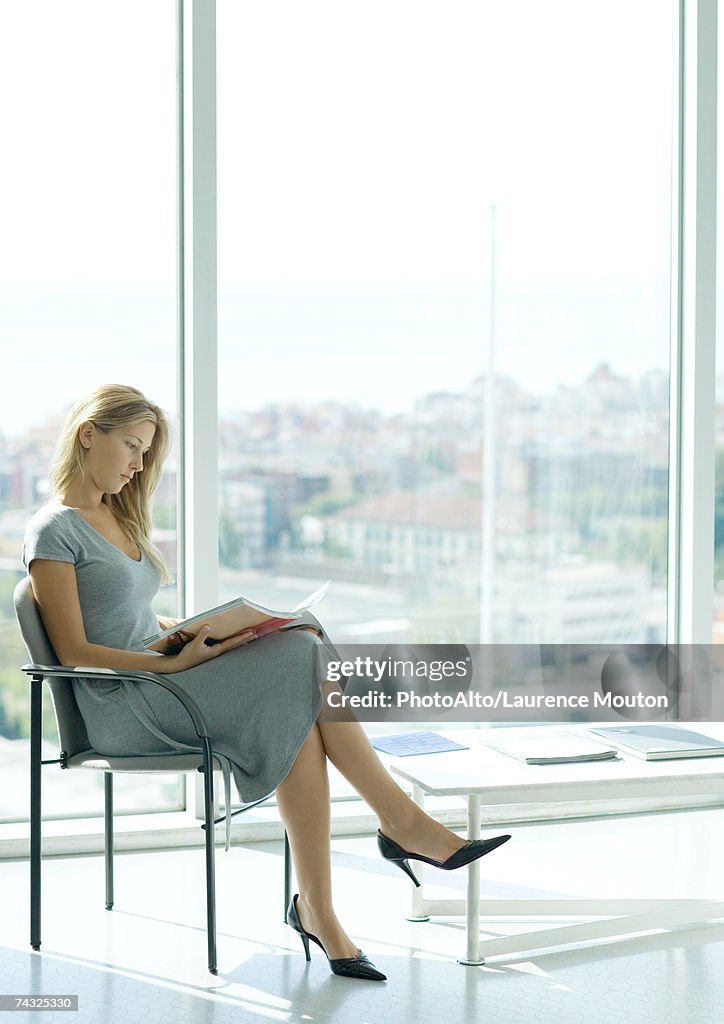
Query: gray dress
pixel 260 701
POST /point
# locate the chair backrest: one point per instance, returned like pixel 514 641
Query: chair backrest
pixel 71 727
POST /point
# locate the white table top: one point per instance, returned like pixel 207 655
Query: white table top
pixel 501 778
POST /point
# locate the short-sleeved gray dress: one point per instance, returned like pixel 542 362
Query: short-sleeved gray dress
pixel 260 701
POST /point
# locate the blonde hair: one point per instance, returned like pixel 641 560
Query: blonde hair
pixel 108 407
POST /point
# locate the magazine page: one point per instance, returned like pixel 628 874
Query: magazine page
pixel 239 615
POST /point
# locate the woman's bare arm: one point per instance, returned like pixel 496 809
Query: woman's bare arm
pixel 56 592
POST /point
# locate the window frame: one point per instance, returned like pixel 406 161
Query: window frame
pixel 692 336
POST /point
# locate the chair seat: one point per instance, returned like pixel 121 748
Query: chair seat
pixel 146 763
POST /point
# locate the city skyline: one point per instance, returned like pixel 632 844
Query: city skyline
pixel 13 428
pixel 376 349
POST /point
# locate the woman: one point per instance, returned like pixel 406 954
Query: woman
pixel 95 572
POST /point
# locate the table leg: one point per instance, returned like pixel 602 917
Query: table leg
pixel 418 910
pixel 472 905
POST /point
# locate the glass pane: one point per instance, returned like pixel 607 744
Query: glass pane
pixel 87 290
pixel 444 315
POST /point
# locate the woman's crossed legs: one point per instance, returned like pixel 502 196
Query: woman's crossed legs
pixel 303 799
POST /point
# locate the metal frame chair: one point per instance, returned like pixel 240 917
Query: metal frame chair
pixel 76 752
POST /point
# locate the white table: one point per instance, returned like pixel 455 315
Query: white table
pixel 488 779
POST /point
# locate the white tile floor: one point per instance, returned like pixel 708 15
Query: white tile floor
pixel 146 960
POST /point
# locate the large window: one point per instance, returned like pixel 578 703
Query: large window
pixel 444 241
pixel 87 288
pixel 444 259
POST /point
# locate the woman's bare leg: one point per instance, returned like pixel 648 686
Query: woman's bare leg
pixel 348 748
pixel 303 799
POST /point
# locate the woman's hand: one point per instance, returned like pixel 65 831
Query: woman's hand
pixel 173 643
pixel 196 651
pixel 164 622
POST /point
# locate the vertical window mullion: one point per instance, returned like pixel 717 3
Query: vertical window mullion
pixel 198 310
pixel 694 330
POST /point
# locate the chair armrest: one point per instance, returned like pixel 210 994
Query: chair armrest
pixel 63 671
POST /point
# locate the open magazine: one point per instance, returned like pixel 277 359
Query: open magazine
pixel 547 746
pixel 238 616
pixel 660 742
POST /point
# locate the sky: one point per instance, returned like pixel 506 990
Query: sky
pixel 362 149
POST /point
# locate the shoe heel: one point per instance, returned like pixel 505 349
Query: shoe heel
pixel 404 866
pixel 390 851
pixel 294 922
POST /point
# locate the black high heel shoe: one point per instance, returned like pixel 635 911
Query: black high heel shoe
pixel 472 850
pixel 346 967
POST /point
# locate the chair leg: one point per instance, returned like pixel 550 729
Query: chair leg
pixel 108 779
pixel 36 706
pixel 287 875
pixel 210 879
